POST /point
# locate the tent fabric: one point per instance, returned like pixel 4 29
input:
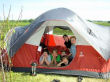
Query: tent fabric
pixel 28 53
pixel 51 24
pixel 97 36
pixel 80 65
pixel 33 40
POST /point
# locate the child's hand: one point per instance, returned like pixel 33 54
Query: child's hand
pixel 53 56
pixel 44 57
pixel 58 65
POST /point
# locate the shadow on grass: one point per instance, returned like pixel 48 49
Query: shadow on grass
pixel 47 74
pixel 51 74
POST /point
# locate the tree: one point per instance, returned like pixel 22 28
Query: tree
pixel 108 21
pixel 30 20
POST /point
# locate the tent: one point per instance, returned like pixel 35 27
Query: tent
pixel 93 40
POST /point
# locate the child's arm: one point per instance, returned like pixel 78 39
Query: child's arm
pixel 69 55
pixel 54 60
pixel 60 64
pixel 41 60
pixel 47 62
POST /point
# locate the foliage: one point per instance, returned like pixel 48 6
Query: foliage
pixel 104 23
pixel 108 21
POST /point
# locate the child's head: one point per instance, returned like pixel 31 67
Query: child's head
pixel 54 52
pixel 45 53
pixel 73 39
pixel 63 53
pixel 64 59
pixel 65 37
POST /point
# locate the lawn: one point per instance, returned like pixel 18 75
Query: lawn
pixel 102 23
pixel 25 77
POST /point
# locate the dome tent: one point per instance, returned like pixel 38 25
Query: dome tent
pixel 91 40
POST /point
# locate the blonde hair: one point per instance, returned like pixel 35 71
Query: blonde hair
pixel 55 50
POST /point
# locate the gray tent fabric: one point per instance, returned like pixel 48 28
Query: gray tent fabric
pixel 96 35
pixel 18 32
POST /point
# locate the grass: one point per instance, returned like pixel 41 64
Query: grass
pixel 59 31
pixel 25 77
pixel 102 23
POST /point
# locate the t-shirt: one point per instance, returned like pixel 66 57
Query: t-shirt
pixel 73 50
pixel 68 44
pixel 48 58
pixel 58 58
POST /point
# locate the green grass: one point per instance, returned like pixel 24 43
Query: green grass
pixel 102 23
pixel 26 77
pixel 59 31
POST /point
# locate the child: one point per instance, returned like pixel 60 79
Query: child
pixel 63 54
pixel 45 58
pixel 67 41
pixel 72 48
pixel 55 58
pixel 64 62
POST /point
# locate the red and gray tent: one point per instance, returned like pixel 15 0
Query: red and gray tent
pixel 92 40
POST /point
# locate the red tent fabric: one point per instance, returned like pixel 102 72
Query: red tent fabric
pixel 89 61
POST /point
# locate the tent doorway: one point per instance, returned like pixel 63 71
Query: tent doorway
pixel 54 41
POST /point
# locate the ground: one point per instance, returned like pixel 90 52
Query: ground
pixel 26 77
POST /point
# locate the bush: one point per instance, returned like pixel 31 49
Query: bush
pixel 108 21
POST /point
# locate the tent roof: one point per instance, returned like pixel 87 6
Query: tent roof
pixel 97 36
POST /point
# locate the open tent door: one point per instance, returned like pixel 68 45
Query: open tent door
pixel 83 47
